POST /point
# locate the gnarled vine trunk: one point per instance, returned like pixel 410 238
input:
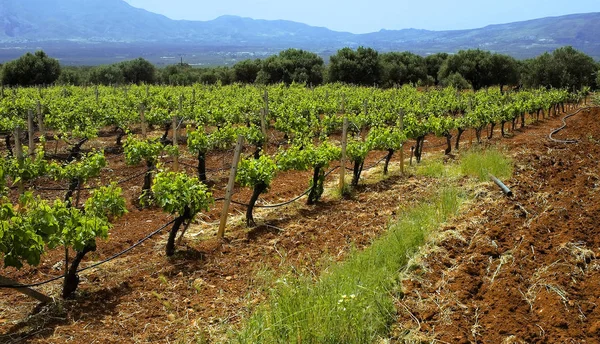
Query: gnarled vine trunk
pixel 202 166
pixel 8 145
pixel 71 278
pixel 491 135
pixel 165 138
pixel 186 216
pixel 419 148
pixel 478 134
pixel 120 135
pixel 387 161
pixel 316 189
pixel 460 132
pixel 358 167
pixel 75 152
pixel 258 189
pixel 448 143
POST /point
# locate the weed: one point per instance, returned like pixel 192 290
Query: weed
pixel 478 162
pixel 432 168
pixel 352 302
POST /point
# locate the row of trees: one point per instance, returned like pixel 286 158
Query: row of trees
pixel 476 69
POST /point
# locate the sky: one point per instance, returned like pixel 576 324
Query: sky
pixel 374 15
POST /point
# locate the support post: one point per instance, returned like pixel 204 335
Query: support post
pixel 263 128
pixel 175 144
pixel 18 146
pixel 266 98
pixel 143 120
pixel 342 181
pixel 402 147
pixel 40 120
pixel 30 132
pixel 19 153
pixel 230 185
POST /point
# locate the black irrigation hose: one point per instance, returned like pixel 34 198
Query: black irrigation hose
pixel 375 164
pixel 147 237
pixel 137 175
pixel 195 167
pixel 564 120
pixel 297 197
pixel 436 146
pixel 275 205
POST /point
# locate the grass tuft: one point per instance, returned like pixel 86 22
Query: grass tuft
pixel 478 162
pixel 351 302
pixel 432 168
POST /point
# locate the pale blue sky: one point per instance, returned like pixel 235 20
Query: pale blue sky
pixel 373 15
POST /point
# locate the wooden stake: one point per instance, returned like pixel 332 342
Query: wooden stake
pixel 30 132
pixel 27 291
pixel 18 146
pixel 175 144
pixel 19 153
pixel 266 98
pixel 343 158
pixel 402 147
pixel 143 120
pixel 263 128
pixel 40 121
pixel 230 185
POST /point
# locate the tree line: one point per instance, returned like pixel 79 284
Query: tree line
pixel 476 69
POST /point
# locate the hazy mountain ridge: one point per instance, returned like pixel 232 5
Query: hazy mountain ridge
pixel 54 23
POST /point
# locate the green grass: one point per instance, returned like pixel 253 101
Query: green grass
pixel 431 168
pixel 351 302
pixel 478 162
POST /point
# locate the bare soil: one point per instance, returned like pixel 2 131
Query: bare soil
pixel 209 286
pixel 521 269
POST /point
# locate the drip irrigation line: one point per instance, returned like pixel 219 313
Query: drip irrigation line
pixel 147 237
pixel 275 205
pixel 195 167
pixel 185 164
pixel 299 196
pixel 375 164
pixel 436 146
pixel 564 120
pixel 119 182
pixel 137 175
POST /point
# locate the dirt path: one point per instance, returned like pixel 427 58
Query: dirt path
pixel 521 270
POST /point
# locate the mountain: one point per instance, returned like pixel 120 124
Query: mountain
pixel 100 31
pixel 117 21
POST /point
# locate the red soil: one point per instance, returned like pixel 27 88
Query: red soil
pixel 520 270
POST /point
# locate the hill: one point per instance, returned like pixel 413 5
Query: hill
pixel 95 31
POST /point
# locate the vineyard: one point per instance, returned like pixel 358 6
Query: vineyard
pixel 240 177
